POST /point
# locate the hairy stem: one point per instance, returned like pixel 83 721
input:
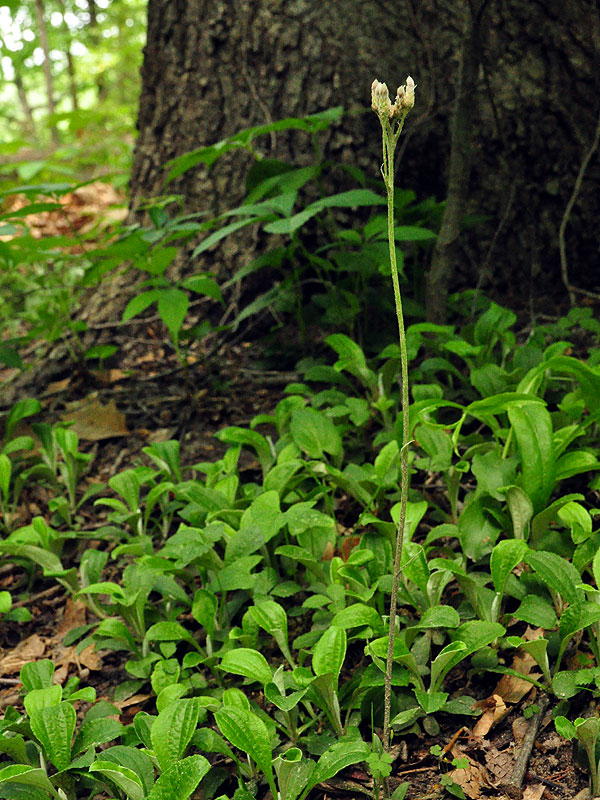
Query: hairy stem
pixel 390 139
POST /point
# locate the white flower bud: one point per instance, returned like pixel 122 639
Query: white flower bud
pixel 380 99
pixel 405 98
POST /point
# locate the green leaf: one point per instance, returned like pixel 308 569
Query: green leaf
pixel 172 307
pixel 180 779
pixel 253 439
pixel 575 618
pixel 37 674
pixel 505 557
pixel 477 530
pixel 447 658
pixel 53 726
pixel 565 727
pixel 94 732
pixel 467 639
pixel 5 475
pixel 558 574
pixel 134 759
pixel 359 615
pixel 329 652
pixel 170 632
pixel 537 612
pixel 541 521
pixel 439 617
pixel 140 303
pixel 248 733
pixel 588 377
pixel 23 408
pixel 273 619
pixel 352 359
pixel 351 199
pixel 202 284
pixel 236 576
pixel 532 426
pixel 521 510
pixel 293 773
pixel 27 776
pixel 249 663
pixel 122 777
pixel 173 729
pixel 222 233
pixel 204 609
pixel 333 761
pixel 260 522
pixel 574 463
pixel 410 233
pixel 314 433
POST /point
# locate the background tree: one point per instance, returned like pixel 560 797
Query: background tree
pixel 213 68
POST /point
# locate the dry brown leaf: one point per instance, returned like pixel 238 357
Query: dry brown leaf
pixel 28 650
pixel 93 421
pixel 534 792
pixel 519 728
pixel 494 709
pixel 74 616
pixel 512 689
pixel 470 779
pixel 130 701
pixel 59 386
pixel 584 794
pixel 161 435
pixel 107 377
pixel 91 658
pixel 500 763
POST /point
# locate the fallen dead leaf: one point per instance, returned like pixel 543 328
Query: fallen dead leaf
pixel 584 794
pixel 519 728
pixel 28 650
pixel 512 689
pixel 534 791
pixel 93 421
pixel 136 699
pixel 74 616
pixel 500 763
pixel 470 778
pixel 107 377
pixel 494 709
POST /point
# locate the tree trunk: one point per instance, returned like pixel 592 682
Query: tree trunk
pixel 43 34
pixel 29 127
pixel 445 253
pixel 213 67
pixel 95 36
pixel 70 62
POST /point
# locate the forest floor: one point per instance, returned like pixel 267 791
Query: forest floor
pixel 149 398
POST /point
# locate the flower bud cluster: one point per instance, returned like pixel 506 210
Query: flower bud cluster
pixel 382 105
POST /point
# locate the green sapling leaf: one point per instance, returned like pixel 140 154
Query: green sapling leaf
pixel 246 731
pixel 180 779
pixel 173 729
pixel 249 663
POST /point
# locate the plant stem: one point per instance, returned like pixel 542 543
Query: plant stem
pixel 390 139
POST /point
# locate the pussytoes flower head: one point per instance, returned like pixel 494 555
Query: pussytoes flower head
pixel 380 99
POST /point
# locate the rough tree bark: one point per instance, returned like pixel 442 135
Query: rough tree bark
pixel 446 252
pixel 212 67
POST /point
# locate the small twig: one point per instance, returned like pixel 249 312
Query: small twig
pixel 564 271
pixel 524 754
pixel 39 596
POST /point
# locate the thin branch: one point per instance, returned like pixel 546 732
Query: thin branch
pixel 564 271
